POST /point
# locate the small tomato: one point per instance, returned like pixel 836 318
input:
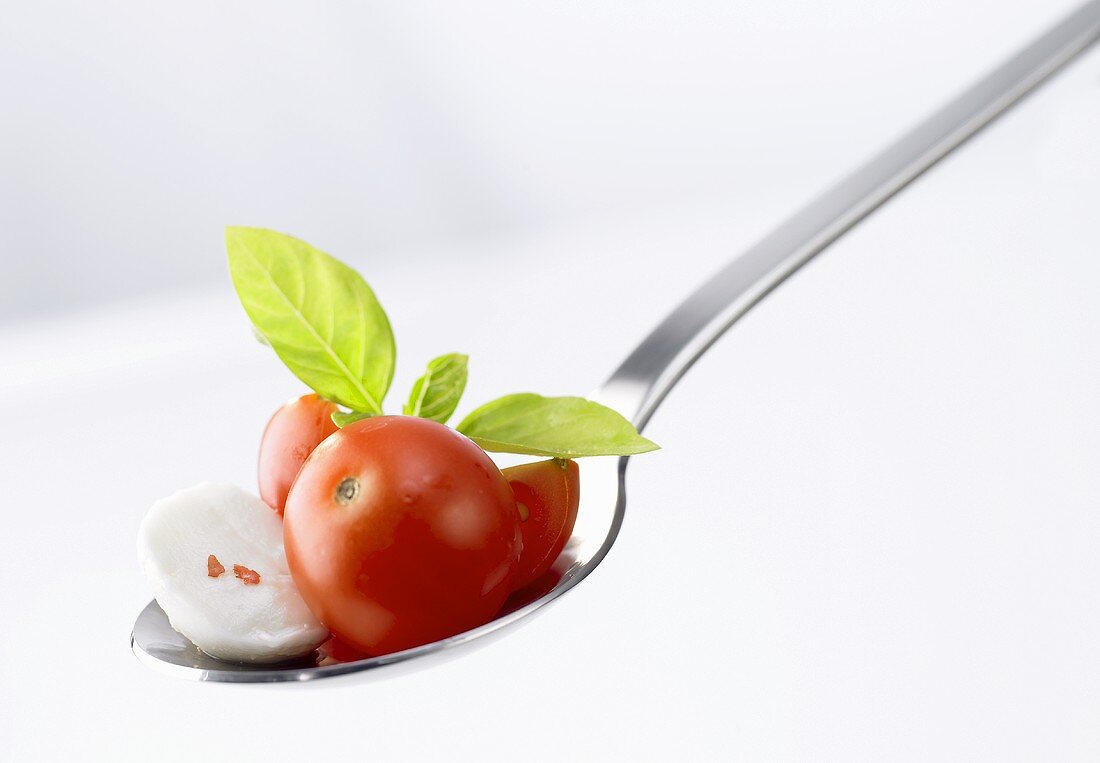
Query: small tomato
pixel 400 531
pixel 293 432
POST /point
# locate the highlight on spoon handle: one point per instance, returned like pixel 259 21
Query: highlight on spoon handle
pixel 644 379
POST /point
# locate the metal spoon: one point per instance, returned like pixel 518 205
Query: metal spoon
pixel 644 379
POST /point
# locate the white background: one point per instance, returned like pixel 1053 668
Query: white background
pixel 872 531
pixel 133 132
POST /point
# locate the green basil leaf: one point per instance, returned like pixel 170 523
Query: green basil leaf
pixel 341 419
pixel 436 394
pixel 319 316
pixel 560 427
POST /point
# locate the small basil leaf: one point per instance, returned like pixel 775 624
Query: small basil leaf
pixel 342 419
pixel 436 394
pixel 319 316
pixel 560 427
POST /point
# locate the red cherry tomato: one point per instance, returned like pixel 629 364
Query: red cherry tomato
pixel 293 432
pixel 547 495
pixel 399 532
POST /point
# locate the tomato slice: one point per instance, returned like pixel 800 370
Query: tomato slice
pixel 547 496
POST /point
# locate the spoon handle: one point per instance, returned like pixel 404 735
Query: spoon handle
pixel 647 375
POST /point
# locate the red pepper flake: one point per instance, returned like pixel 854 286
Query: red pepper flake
pixel 247 576
pixel 213 566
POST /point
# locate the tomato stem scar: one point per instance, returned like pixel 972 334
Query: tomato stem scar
pixel 347 491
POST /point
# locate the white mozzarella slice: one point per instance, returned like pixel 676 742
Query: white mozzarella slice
pixel 226 616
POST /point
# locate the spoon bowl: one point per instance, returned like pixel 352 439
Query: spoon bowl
pixel 603 501
pixel 647 375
